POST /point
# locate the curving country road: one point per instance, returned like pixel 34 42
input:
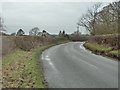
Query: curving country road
pixel 70 65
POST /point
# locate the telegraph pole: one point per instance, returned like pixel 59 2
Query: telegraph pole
pixel 77 26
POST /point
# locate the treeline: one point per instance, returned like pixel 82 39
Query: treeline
pixel 33 32
pixel 104 20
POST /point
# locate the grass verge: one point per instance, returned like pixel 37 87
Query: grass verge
pixel 95 46
pixel 102 50
pixel 115 52
pixel 23 69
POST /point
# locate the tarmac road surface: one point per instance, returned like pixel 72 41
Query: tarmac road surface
pixel 70 65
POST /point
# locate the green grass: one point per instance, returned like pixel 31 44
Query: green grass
pixel 95 46
pixel 99 49
pixel 115 52
pixel 12 57
pixel 24 70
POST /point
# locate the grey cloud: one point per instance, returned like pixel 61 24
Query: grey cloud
pixel 51 16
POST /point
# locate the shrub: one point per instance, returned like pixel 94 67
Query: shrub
pixel 111 40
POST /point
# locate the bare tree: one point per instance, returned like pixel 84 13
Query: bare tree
pixel 63 33
pixel 88 20
pixel 60 33
pixel 104 20
pixel 107 19
pixel 84 22
pixel 2 26
pixel 116 8
pixel 34 31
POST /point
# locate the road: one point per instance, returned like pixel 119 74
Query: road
pixel 70 65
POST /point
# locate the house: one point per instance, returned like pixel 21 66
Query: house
pixel 43 33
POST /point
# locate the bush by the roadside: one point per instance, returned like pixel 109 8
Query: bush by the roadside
pixel 8 45
pixel 78 38
pixel 26 43
pixel 110 40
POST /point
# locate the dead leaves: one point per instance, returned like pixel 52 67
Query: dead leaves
pixel 23 71
pixel 15 74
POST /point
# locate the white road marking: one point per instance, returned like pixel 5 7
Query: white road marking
pixel 52 65
pixel 48 59
pixel 90 64
pixel 47 56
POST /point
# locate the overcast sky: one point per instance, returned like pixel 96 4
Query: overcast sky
pixel 51 16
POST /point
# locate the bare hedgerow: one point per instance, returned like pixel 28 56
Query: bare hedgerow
pixel 28 42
